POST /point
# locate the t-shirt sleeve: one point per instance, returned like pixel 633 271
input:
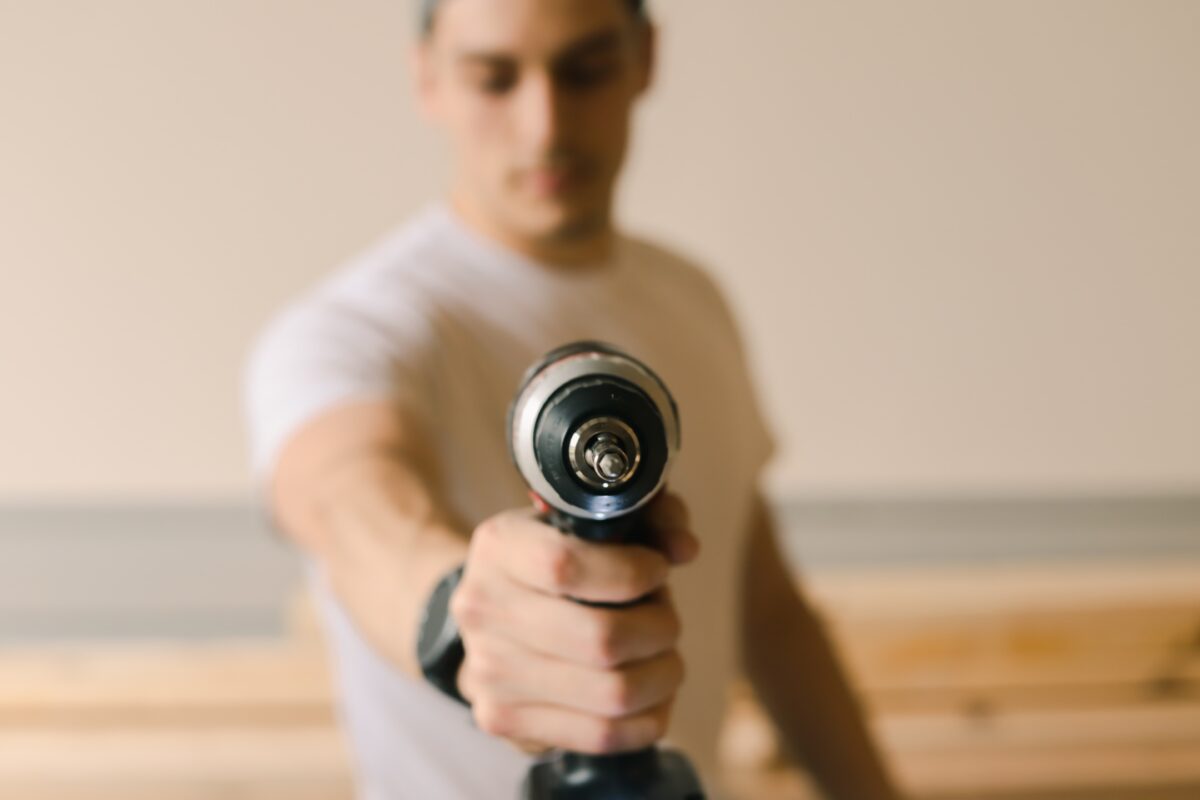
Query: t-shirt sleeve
pixel 758 437
pixel 322 351
pixel 754 430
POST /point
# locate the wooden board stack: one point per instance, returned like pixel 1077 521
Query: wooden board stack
pixel 1004 683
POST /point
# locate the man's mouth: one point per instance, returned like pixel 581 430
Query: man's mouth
pixel 552 180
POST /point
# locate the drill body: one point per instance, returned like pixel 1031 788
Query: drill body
pixel 593 432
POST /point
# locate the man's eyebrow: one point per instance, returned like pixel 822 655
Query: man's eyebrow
pixel 484 57
pixel 599 42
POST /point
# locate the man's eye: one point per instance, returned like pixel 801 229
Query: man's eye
pixel 497 83
pixel 587 76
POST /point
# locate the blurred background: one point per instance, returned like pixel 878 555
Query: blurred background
pixel 963 240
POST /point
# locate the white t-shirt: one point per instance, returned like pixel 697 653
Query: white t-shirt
pixel 448 321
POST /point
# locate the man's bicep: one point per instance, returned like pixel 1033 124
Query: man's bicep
pixel 325 351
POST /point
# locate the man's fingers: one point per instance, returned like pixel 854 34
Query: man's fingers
pixel 543 669
pixel 530 747
pixel 508 673
pixel 537 555
pixel 679 545
pixel 561 628
pixel 670 530
pixel 571 730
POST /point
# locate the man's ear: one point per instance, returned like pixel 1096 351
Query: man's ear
pixel 424 80
pixel 647 54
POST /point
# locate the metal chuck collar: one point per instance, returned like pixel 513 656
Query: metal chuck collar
pixel 593 431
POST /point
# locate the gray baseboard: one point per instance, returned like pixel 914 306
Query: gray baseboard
pixel 186 570
pixel 198 570
pixel 964 530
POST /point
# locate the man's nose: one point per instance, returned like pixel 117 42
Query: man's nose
pixel 542 112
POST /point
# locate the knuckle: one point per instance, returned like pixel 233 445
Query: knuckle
pixel 652 574
pixel 483 669
pixel 467 685
pixel 606 736
pixel 467 606
pixel 559 566
pixel 663 619
pixel 655 729
pixel 619 694
pixel 605 643
pixel 494 718
pixel 486 531
pixel 662 718
pixel 678 667
pixel 621 735
pixel 673 625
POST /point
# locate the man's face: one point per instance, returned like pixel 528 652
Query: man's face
pixel 535 96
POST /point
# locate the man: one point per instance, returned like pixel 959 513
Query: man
pixel 376 407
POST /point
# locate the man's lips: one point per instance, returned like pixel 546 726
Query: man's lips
pixel 553 180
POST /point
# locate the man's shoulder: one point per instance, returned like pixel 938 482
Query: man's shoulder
pixel 403 252
pixel 678 269
pixel 380 288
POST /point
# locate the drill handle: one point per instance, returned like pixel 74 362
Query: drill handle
pixel 621 530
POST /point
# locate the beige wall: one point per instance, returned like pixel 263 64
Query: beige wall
pixel 963 237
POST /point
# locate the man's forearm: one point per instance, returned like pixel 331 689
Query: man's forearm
pixel 369 516
pixel 792 664
pixel 795 671
pixel 385 549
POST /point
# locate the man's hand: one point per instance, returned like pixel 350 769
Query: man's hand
pixel 543 670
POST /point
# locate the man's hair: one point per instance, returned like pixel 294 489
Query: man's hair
pixel 429 10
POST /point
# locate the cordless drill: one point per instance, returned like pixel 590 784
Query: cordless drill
pixel 593 432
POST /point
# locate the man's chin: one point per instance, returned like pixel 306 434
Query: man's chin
pixel 563 220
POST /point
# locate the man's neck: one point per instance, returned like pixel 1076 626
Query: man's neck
pixel 583 249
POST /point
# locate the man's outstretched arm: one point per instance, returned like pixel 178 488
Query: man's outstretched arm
pixel 791 662
pixel 357 488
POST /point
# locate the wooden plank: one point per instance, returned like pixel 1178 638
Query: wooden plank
pixel 1146 725
pixel 957 590
pixel 948 755
pixel 210 790
pixel 789 784
pixel 1018 635
pixel 984 699
pixel 236 762
pixel 977 655
pixel 970 666
pixel 989 683
pixel 165 683
pixel 1155 730
pixel 1035 772
pixel 1124 629
pixel 1045 635
pixel 773 784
